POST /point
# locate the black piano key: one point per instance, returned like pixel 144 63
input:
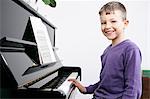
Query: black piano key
pixel 60 82
pixel 56 82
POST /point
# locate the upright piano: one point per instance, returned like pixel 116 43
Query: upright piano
pixel 21 74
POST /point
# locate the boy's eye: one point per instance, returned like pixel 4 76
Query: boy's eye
pixel 103 22
pixel 113 21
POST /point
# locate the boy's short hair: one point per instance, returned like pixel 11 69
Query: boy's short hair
pixel 112 6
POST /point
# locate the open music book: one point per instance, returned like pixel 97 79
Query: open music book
pixel 45 50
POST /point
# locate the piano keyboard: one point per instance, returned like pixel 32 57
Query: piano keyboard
pixel 61 84
pixel 56 82
pixel 66 85
pixel 44 81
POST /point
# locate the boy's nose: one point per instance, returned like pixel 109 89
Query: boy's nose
pixel 108 25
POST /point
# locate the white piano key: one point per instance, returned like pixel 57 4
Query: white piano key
pixel 65 87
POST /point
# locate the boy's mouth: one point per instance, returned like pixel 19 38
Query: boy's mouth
pixel 109 32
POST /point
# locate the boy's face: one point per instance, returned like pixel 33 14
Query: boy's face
pixel 112 24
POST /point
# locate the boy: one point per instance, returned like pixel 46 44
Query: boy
pixel 120 76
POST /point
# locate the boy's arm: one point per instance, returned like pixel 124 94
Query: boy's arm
pixel 90 89
pixel 133 79
pixel 85 90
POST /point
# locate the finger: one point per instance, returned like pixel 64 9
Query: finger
pixel 71 79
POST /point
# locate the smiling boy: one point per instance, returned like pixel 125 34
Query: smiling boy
pixel 120 76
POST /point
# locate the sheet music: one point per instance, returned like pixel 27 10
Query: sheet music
pixel 45 50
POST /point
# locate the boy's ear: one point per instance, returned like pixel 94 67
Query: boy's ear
pixel 126 22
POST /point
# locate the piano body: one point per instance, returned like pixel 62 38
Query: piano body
pixel 20 76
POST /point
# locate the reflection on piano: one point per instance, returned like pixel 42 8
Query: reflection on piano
pixel 36 84
pixel 21 74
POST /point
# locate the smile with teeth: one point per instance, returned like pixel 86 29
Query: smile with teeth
pixel 109 32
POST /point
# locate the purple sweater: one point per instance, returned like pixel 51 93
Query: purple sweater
pixel 120 76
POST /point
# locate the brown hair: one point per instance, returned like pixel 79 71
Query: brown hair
pixel 112 6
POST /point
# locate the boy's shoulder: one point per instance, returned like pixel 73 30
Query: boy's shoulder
pixel 123 47
pixel 129 45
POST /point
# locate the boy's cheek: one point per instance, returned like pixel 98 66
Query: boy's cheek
pixel 103 29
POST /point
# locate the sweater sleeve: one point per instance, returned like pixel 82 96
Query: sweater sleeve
pixel 132 73
pixel 91 88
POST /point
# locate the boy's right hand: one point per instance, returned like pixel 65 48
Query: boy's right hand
pixel 81 88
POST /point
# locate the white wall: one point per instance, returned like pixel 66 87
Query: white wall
pixel 138 12
pixel 80 40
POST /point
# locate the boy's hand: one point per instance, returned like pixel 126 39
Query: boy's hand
pixel 81 88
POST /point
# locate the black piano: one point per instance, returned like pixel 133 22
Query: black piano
pixel 21 74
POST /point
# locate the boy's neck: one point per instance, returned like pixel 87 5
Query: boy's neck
pixel 118 40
